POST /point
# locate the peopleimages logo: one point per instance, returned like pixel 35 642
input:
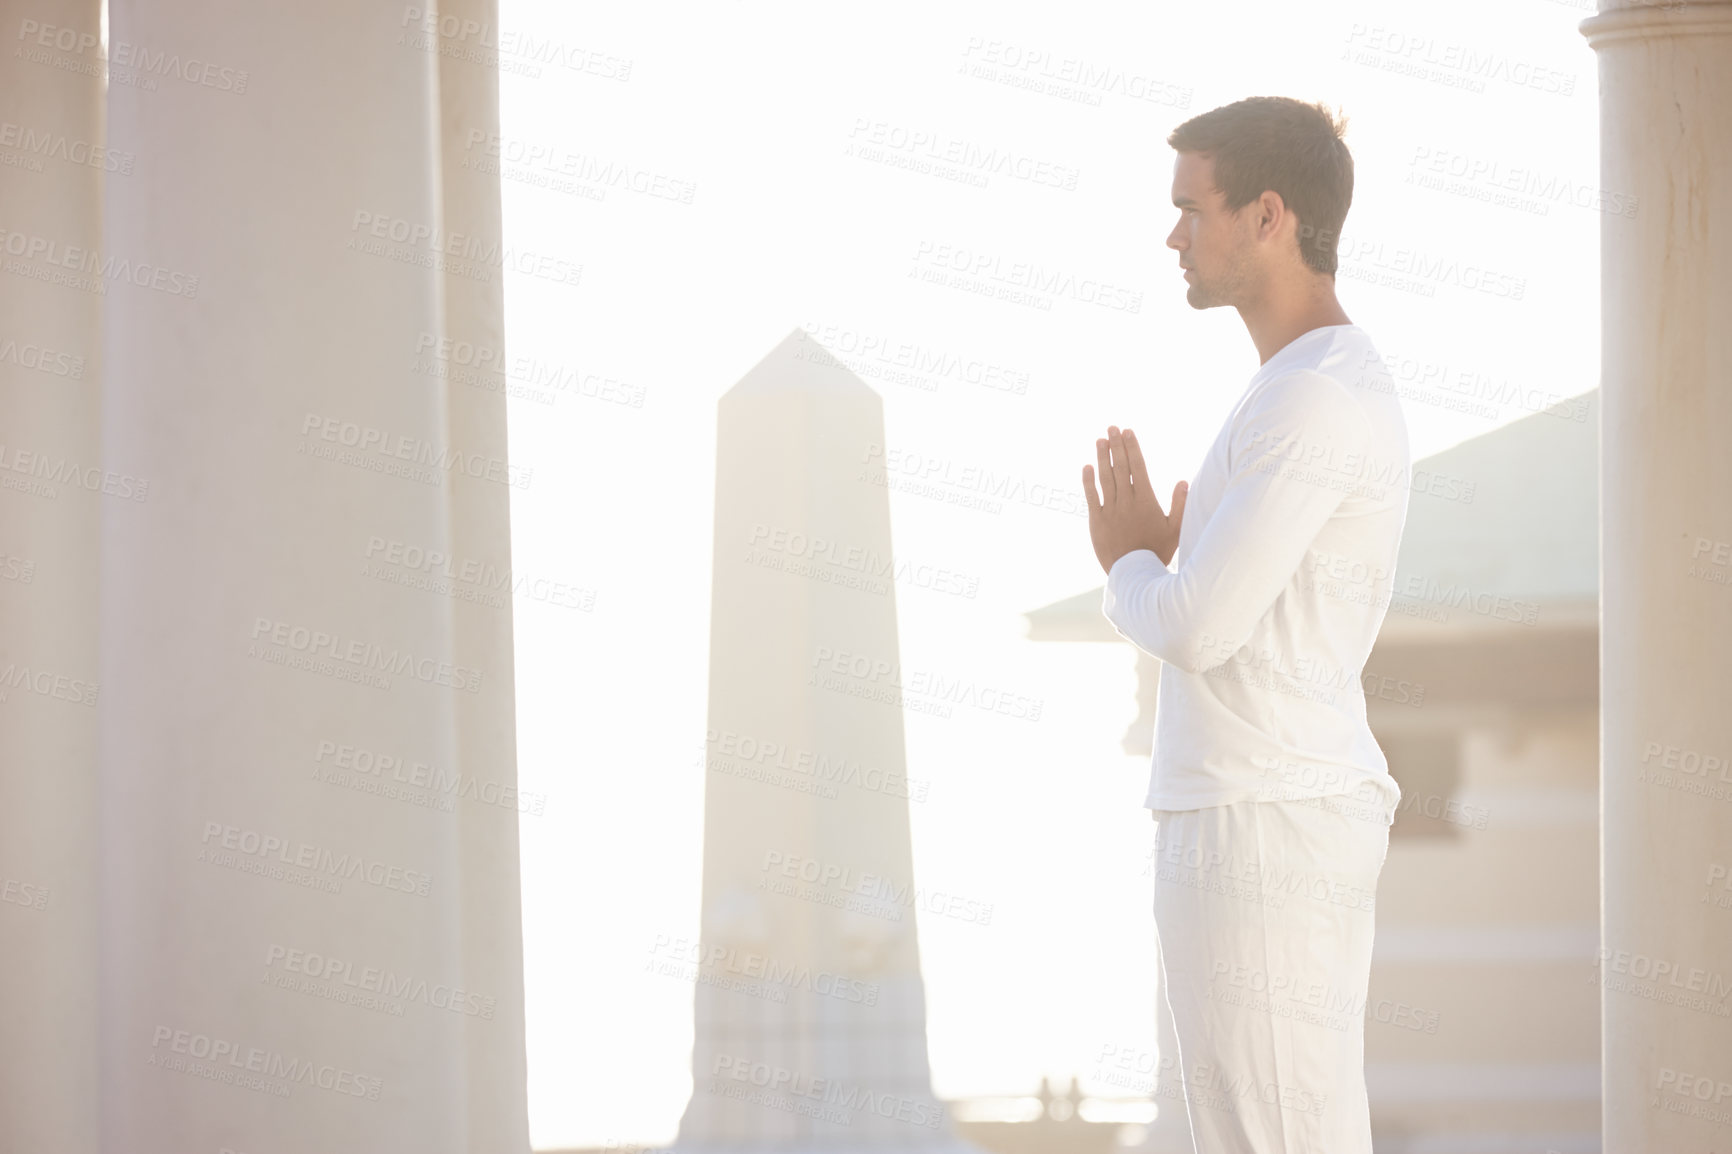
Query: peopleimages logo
pixel 47 683
pixel 339 972
pixel 365 655
pixel 525 48
pixel 903 362
pixel 876 679
pixel 781 1080
pixel 921 149
pixel 877 888
pixel 466 254
pixel 1084 80
pixel 928 472
pixel 748 756
pixel 158 63
pixel 54 471
pixel 35 142
pixel 276 852
pixel 1044 282
pixel 44 360
pixel 95 269
pixel 1678 975
pixel 709 960
pixel 484 365
pixel 358 763
pixel 253 1060
pixel 1696 1085
pixel 352 435
pixel 551 161
pixel 24 894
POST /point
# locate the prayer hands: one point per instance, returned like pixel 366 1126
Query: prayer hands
pixel 1128 515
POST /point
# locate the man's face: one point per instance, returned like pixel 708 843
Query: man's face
pixel 1215 246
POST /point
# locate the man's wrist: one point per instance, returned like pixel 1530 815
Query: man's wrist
pixel 1137 560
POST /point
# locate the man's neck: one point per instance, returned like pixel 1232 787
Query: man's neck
pixel 1281 318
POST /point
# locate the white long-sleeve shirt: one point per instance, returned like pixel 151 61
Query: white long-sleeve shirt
pixel 1282 575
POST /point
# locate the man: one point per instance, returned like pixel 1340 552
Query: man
pixel 1282 555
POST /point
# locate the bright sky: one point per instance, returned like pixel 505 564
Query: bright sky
pixel 748 128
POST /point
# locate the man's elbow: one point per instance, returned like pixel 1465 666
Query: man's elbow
pixel 1195 644
pixel 1162 647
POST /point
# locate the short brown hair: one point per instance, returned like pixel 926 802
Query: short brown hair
pixel 1275 144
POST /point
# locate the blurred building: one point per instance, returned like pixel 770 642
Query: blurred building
pixel 1483 1019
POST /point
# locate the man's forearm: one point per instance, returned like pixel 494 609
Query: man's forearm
pixel 1153 608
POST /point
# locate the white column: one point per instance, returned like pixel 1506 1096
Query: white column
pixel 310 909
pixel 486 722
pixel 1666 633
pixel 52 168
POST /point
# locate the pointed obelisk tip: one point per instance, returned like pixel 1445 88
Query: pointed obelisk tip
pixel 798 362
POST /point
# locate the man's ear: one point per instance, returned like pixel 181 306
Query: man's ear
pixel 1271 211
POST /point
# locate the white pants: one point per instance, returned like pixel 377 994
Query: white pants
pixel 1263 911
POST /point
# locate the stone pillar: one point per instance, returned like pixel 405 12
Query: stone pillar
pixel 52 169
pixel 1666 604
pixel 486 722
pixel 810 1011
pixel 310 919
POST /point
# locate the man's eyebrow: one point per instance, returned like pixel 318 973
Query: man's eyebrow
pixel 1184 202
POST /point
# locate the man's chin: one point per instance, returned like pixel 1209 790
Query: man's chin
pixel 1197 298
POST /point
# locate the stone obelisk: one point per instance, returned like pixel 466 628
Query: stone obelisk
pixel 810 1011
